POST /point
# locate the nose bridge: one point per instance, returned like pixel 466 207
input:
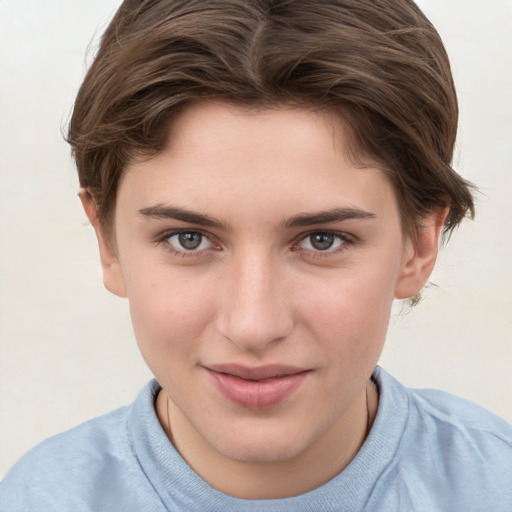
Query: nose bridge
pixel 255 311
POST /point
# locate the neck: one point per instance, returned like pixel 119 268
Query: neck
pixel 306 471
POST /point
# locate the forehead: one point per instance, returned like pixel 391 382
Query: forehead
pixel 220 156
pixel 208 124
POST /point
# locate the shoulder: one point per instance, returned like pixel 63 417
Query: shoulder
pixel 433 409
pixel 81 462
pixel 452 410
pixel 452 449
pixel 65 464
pixel 461 424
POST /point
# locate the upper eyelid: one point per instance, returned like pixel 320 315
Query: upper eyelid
pixel 301 236
pixel 347 237
pixel 163 240
pixel 171 232
pixel 342 234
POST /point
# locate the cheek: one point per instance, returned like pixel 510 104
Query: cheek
pixel 351 313
pixel 168 314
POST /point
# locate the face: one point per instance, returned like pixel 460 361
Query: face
pixel 260 267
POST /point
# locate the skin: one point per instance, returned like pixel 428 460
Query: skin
pixel 257 291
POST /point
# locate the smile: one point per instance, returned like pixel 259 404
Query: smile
pixel 256 388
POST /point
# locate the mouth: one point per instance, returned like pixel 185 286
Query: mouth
pixel 258 387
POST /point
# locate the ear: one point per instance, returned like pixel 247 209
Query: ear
pixel 112 272
pixel 420 256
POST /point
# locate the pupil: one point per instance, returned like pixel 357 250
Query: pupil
pixel 322 241
pixel 190 240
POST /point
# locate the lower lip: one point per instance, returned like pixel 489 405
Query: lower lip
pixel 257 394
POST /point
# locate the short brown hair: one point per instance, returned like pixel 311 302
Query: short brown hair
pixel 379 64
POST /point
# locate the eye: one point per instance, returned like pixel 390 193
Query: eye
pixel 322 241
pixel 188 241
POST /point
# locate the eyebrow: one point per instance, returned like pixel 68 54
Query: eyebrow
pixel 172 212
pixel 160 211
pixel 327 217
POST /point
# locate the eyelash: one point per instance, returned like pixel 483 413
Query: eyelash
pixel 164 237
pixel 346 242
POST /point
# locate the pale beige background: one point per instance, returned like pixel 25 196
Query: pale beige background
pixel 67 350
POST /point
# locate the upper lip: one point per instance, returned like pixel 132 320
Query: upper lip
pixel 256 373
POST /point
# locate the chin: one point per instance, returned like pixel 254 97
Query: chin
pixel 261 454
pixel 262 449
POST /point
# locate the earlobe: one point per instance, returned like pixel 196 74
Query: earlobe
pixel 420 256
pixel 112 272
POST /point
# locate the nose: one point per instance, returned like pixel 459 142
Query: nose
pixel 255 310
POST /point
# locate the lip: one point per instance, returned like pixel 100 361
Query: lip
pixel 256 387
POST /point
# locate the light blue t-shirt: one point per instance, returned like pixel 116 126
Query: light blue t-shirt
pixel 427 451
